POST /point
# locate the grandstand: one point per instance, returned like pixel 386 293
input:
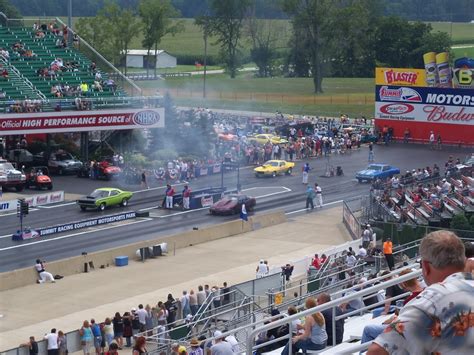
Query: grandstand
pixel 32 69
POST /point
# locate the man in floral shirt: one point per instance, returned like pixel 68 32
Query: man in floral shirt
pixel 440 320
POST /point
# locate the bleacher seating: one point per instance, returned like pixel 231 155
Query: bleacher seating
pixel 46 52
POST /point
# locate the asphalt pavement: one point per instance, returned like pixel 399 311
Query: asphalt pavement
pixel 283 192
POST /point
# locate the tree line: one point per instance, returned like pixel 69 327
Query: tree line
pixel 413 10
pixel 346 38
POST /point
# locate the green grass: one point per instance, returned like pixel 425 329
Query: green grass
pixel 459 32
pixel 464 52
pixel 354 96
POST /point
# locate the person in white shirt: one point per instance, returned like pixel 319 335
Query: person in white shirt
pixel 319 195
pixel 351 260
pixel 362 253
pixel 42 273
pixel 432 140
pixel 52 339
pixel 262 269
pixel 445 187
pixel 142 313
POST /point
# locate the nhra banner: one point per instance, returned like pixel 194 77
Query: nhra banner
pixel 451 106
pixel 400 76
pixel 74 121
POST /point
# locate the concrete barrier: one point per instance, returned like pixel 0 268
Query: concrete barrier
pixel 75 265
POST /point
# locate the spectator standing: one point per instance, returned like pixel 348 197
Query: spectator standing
pixel 144 182
pixel 432 140
pixel 141 313
pixel 62 343
pixel 87 337
pixel 316 263
pixel 149 320
pixel 225 294
pixel 96 335
pixel 388 252
pixel 287 270
pixel 262 269
pixel 118 330
pixel 52 339
pixel 193 302
pixel 108 330
pixel 127 329
pixel 32 346
pixel 362 253
pixel 201 296
pixel 306 170
pixel 185 308
pixel 439 320
pixel 171 307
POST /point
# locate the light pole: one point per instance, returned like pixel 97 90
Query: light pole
pixel 206 35
pixel 69 22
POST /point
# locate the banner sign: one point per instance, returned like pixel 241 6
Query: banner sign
pixel 53 122
pixel 86 223
pixel 36 200
pixel 432 96
pixel 400 76
pixel 10 205
pixel 452 106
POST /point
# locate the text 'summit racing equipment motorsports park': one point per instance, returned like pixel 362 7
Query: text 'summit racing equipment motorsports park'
pixel 274 167
pixel 105 197
pixel 232 204
pixel 377 171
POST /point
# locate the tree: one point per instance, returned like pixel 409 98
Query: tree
pixel 314 18
pixel 156 17
pixel 263 35
pixel 111 31
pixel 226 22
pixel 9 10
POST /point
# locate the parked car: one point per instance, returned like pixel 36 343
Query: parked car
pixel 265 138
pixel 273 168
pixel 38 177
pixel 105 197
pixel 60 162
pixel 377 171
pixel 11 177
pixel 232 204
pixel 105 170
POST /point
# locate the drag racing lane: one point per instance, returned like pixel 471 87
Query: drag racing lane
pixel 282 192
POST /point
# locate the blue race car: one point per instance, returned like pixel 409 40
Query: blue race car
pixel 377 171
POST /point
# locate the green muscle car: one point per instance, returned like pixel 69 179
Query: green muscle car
pixel 104 197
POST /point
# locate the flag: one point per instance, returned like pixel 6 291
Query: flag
pixel 243 213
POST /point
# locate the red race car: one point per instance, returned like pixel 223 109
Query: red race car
pixel 232 204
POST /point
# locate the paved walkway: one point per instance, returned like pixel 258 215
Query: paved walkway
pixel 33 309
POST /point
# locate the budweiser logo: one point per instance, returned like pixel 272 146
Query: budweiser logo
pixel 439 113
pixel 392 76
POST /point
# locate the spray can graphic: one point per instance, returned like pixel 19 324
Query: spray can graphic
pixel 431 69
pixel 444 71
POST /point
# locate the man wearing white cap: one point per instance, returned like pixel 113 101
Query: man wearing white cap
pixel 221 347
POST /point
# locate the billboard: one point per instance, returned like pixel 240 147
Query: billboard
pixel 400 76
pixel 54 122
pixel 451 106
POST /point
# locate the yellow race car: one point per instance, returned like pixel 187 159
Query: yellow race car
pixel 274 167
pixel 265 138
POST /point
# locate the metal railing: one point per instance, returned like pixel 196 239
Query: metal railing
pixel 95 103
pixel 330 305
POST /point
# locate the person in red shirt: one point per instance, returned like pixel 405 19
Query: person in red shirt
pixel 316 262
pixel 169 196
pixel 417 200
pixel 186 197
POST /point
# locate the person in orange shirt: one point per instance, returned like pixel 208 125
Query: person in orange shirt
pixel 388 252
